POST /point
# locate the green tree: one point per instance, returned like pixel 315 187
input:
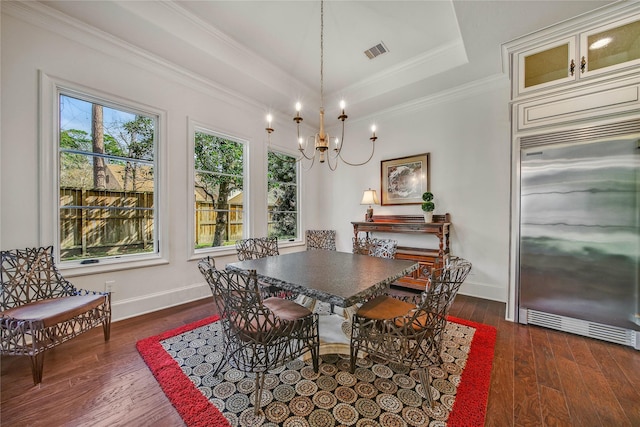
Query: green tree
pixel 219 165
pixel 283 190
pixel 76 169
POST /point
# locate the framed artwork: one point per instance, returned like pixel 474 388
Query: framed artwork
pixel 404 180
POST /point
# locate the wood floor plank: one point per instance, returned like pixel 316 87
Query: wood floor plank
pixel 559 345
pixel 500 410
pixel 526 396
pixel 627 393
pixel 602 395
pixel 88 382
pixel 546 371
pixel 580 349
pixel 479 311
pixel 576 394
pixel 554 407
pixel 466 310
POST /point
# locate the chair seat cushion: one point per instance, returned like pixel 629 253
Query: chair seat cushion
pixel 384 307
pixel 286 309
pixel 260 328
pixel 55 310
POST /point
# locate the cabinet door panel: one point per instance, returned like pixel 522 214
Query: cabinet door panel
pixel 612 46
pixel 547 65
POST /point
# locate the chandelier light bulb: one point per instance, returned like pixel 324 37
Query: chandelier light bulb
pixel 342 104
pixel 269 129
pixel 373 133
pixel 298 107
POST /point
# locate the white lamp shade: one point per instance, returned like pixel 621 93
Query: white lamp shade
pixel 370 197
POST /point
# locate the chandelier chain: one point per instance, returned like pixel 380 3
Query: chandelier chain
pixel 322 141
pixel 322 54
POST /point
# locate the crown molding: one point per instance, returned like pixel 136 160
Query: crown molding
pixel 465 91
pixel 225 48
pixel 52 20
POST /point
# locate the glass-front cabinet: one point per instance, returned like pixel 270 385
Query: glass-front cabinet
pixel 610 47
pixel 548 65
pixel 602 50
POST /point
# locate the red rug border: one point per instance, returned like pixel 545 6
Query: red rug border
pixel 196 410
pixel 474 383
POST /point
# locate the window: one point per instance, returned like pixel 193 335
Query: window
pixel 282 198
pixel 106 179
pixel 218 188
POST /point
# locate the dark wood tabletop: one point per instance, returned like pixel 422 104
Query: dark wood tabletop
pixel 339 278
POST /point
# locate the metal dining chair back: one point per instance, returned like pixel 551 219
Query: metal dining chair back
pixel 257 247
pixel 361 245
pixel 381 248
pixel 407 333
pixel 259 334
pixel 321 239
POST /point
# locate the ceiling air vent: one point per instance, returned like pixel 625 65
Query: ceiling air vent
pixel 377 50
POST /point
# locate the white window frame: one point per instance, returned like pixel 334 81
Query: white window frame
pixel 193 253
pixel 299 238
pixel 49 210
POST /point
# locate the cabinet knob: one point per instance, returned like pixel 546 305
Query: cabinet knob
pixel 583 64
pixel 572 67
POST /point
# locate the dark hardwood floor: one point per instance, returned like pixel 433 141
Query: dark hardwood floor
pixel 540 377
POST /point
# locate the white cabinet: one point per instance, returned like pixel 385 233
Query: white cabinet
pixel 619 98
pixel 603 46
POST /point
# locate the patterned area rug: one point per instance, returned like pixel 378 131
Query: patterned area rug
pixel 378 393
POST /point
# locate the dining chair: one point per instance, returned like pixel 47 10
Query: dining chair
pixel 257 247
pixel 262 247
pixel 361 245
pixel 321 239
pixel 406 333
pixel 381 248
pixel 40 309
pixel 259 334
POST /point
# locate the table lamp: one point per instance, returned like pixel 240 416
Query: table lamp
pixel 369 198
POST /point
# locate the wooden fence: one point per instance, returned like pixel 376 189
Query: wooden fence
pixel 206 224
pixel 105 222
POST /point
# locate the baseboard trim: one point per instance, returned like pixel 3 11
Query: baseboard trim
pixel 132 307
pixel 484 291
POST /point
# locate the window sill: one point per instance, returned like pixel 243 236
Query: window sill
pixel 73 269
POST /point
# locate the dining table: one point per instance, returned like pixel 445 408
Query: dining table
pixel 341 279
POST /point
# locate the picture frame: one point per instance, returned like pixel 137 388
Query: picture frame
pixel 403 180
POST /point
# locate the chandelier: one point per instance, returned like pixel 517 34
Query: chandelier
pixel 321 142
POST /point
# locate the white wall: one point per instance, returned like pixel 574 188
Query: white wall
pixel 465 131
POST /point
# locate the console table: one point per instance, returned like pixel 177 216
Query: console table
pixel 428 258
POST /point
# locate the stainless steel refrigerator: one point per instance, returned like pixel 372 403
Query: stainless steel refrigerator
pixel 579 249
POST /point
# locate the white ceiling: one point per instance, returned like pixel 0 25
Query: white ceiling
pixel 269 51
